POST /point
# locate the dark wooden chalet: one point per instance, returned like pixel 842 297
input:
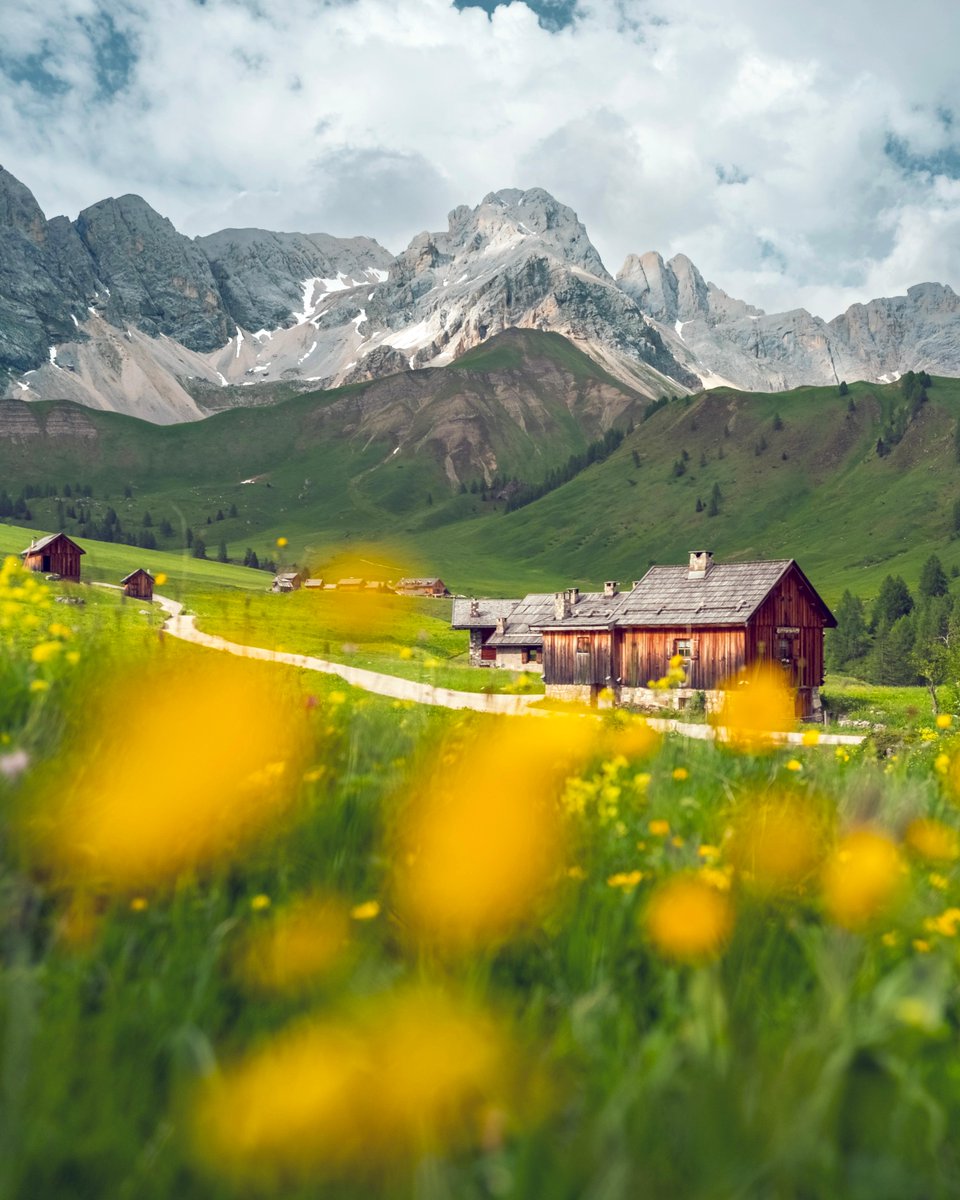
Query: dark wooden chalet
pixel 55 554
pixel 718 617
pixel 138 584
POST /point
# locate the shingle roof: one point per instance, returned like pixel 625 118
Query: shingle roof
pixel 138 571
pixel 728 594
pixel 593 610
pixel 487 613
pixel 528 613
pixel 46 541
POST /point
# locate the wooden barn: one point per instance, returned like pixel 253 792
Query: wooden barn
pixel 55 554
pixel 718 617
pixel 138 584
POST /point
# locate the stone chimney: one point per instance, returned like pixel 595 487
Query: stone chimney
pixel 501 625
pixel 611 587
pixel 573 596
pixel 474 608
pixel 561 605
pixel 700 563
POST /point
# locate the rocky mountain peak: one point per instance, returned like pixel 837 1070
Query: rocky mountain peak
pixel 19 208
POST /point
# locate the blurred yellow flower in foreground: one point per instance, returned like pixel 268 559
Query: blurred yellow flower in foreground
pixel 367 911
pixel 160 578
pixel 411 1074
pixel 944 720
pixel 688 920
pixel 933 840
pixel 862 879
pixel 480 845
pixel 175 769
pixel 756 705
pixel 281 542
pixel 300 943
pixel 778 842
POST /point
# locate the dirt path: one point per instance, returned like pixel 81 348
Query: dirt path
pixel 184 627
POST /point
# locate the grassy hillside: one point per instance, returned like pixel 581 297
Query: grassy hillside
pixel 108 562
pixel 413 474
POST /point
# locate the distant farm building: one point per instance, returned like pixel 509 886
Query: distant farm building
pixel 421 587
pixel 719 618
pixel 55 554
pixel 502 633
pixel 138 584
pixel 351 584
pixel 287 581
pixel 314 583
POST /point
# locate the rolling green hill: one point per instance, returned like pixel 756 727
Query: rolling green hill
pixel 417 472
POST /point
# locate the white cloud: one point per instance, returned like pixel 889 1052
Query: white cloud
pixel 751 137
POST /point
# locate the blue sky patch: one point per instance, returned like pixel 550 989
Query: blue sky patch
pixel 552 14
pixel 33 70
pixel 945 161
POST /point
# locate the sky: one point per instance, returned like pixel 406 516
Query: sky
pixel 801 155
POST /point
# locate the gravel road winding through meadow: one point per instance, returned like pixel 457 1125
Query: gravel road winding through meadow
pixel 183 626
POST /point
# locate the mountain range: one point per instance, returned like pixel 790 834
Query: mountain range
pixel 118 310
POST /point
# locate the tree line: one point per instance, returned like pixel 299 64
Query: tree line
pixel 903 639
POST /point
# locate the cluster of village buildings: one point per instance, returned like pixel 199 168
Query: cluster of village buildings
pixel 713 619
pixel 292 581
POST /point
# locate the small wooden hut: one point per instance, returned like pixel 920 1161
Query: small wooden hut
pixel 55 554
pixel 138 585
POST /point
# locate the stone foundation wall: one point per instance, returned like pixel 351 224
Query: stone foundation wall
pixel 580 693
pixel 513 661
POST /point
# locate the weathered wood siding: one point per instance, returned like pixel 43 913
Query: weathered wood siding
pixel 790 606
pixel 645 654
pixel 61 557
pixel 563 662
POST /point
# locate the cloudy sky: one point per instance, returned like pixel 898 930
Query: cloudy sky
pixel 799 154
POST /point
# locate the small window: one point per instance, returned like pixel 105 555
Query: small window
pixel 583 645
pixel 683 647
pixel 488 653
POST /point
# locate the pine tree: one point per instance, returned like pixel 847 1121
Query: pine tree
pixel 199 548
pixel 699 505
pixel 222 553
pixel 850 641
pixel 893 601
pixel 715 497
pixel 933 579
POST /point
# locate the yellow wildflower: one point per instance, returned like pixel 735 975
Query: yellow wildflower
pixel 941 764
pixel 72 657
pixel 641 781
pixel 811 737
pixel 794 764
pixel 365 911
pixel 688 920
pixel 680 774
pixel 756 706
pixel 212 741
pixel 940 882
pixel 160 578
pixel 38 685
pixel 921 946
pixel 625 879
pixel 777 841
pixel 577 873
pixel 43 652
pixel 932 839
pixel 405 653
pixel 294 946
pixel 716 877
pixel 711 852
pixel 944 720
pixel 862 879
pixel 659 827
pixel 408 1076
pixel 138 904
pixel 260 902
pixel 945 924
pixel 281 542
pixel 891 938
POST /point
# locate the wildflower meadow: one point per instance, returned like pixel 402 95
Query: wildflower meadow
pixel 267 935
